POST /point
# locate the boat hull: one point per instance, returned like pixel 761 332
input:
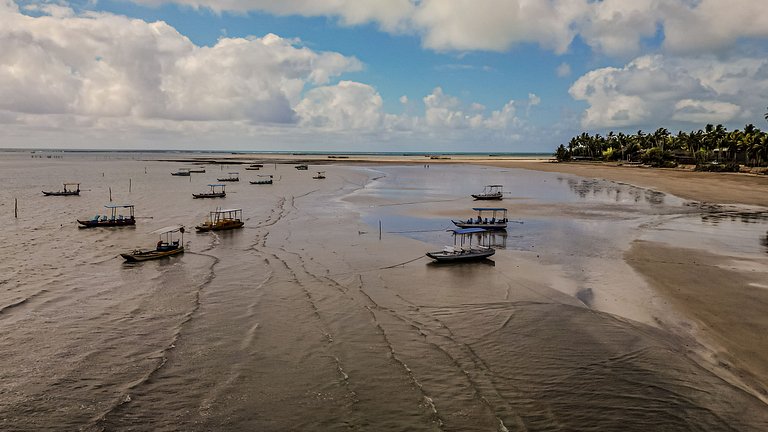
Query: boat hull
pixel 261 182
pixel 209 195
pixel 74 193
pixel 459 256
pixel 138 256
pixel 488 196
pixel 107 223
pixel 228 180
pixel 220 226
pixel 181 174
pixel 489 226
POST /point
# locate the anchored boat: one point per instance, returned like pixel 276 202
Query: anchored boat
pixel 70 189
pixel 197 170
pixel 320 175
pixel 490 192
pixel 113 219
pixel 182 172
pixel 220 220
pixel 214 193
pixel 165 247
pixel 302 167
pixel 498 219
pixel 263 179
pixel 462 249
pixel 233 177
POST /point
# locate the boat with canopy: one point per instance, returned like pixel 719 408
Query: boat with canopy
pixel 113 218
pixel 70 189
pixel 217 191
pixel 263 179
pixel 166 246
pixel 233 177
pixel 219 220
pixel 463 249
pixel 490 192
pixel 497 221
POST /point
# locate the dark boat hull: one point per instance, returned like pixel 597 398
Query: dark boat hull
pixel 261 182
pixel 228 180
pixel 472 255
pixel 107 223
pixel 138 256
pixel 220 227
pixel 74 193
pixel 488 226
pixel 209 195
pixel 488 196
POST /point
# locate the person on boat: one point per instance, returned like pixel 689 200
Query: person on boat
pixel 159 245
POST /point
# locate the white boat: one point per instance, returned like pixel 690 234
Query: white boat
pixel 490 192
pixel 497 221
pixel 462 249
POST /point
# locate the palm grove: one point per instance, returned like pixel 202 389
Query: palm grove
pixel 713 148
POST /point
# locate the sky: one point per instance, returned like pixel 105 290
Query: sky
pixel 374 75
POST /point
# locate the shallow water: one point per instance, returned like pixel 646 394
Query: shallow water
pixel 305 320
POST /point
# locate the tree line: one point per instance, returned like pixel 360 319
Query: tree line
pixel 712 148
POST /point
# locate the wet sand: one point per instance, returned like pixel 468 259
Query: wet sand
pixel 306 320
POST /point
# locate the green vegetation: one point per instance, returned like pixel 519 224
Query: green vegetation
pixel 711 149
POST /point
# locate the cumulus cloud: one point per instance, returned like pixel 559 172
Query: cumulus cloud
pixel 347 105
pixel 655 89
pixel 103 65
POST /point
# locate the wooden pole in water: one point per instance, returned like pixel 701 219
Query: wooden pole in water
pixel 379 229
pixel 110 194
pixel 129 185
pixel 16 208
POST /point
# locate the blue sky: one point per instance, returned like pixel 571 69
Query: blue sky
pixel 374 75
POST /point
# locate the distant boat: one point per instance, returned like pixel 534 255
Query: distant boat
pixel 167 246
pixel 181 172
pixel 302 167
pixel 459 252
pixel 490 192
pixel 214 193
pixel 220 220
pixel 68 190
pixel 114 219
pixel 197 170
pixel 320 175
pixel 263 180
pixel 482 220
pixel 233 177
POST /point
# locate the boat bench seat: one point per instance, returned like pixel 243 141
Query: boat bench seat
pixel 449 249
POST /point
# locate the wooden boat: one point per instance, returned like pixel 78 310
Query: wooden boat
pixel 220 220
pixel 197 170
pixel 490 192
pixel 459 252
pixel 165 247
pixel 263 180
pixel 233 177
pixel 67 191
pixel 320 175
pixel 302 167
pixel 254 167
pixel 214 193
pixel 182 172
pixel 114 219
pixel 482 220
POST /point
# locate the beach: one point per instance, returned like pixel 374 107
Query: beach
pixel 607 307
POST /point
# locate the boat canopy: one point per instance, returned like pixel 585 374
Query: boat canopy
pixel 171 228
pixel 227 211
pixel 116 206
pixel 469 230
pixel 479 209
pixel 233 173
pixel 216 185
pixel 495 186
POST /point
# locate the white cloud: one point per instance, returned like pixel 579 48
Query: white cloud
pixel 347 105
pixel 655 89
pixel 404 99
pixel 101 65
pixel 564 70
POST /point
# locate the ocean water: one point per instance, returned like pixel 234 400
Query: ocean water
pixel 305 320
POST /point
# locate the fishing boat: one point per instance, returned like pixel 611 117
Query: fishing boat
pixel 302 167
pixel 233 177
pixel 113 219
pixel 254 167
pixel 263 180
pixel 165 247
pixel 320 175
pixel 181 172
pixel 197 170
pixel 490 192
pixel 69 190
pixel 214 193
pixel 462 249
pixel 220 220
pixel 498 219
